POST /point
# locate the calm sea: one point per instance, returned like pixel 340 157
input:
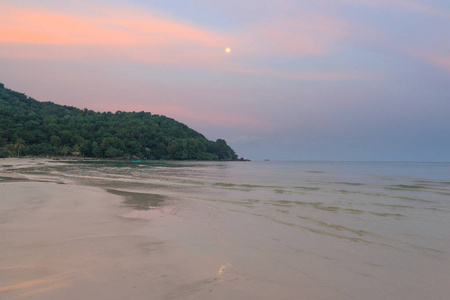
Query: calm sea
pixel 334 230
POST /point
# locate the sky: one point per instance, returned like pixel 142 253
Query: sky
pixel 345 80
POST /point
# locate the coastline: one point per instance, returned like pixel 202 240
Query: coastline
pixel 65 241
pixel 219 231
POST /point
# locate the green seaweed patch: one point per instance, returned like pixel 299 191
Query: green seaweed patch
pixel 285 203
pixel 386 214
pixel 279 191
pixel 406 187
pixel 192 182
pixel 415 199
pixel 393 205
pixel 354 211
pixel 12 179
pixel 359 233
pixel 246 186
pixel 350 183
pixel 343 237
pixel 329 208
pixel 335 226
pixel 224 184
pixel 309 188
pixel 376 194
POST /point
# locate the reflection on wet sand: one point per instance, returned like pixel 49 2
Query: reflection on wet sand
pixel 219 230
pixel 37 286
pixel 140 201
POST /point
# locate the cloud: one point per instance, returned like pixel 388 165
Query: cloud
pixel 245 139
pixel 293 36
pixel 405 4
pixel 192 115
pixel 438 60
pixel 116 32
pixel 130 33
pixel 442 61
pixel 315 76
pixel 223 119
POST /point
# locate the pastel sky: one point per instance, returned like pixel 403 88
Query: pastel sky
pixel 305 80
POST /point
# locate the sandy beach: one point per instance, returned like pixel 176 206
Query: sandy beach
pixel 196 230
pixel 62 241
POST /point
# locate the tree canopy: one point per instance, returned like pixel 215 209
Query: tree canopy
pixel 30 127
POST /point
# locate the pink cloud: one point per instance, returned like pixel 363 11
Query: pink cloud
pixel 442 61
pixel 406 4
pixel 130 34
pixel 191 115
pixel 220 118
pixel 316 76
pixel 431 55
pixel 306 34
pixel 437 60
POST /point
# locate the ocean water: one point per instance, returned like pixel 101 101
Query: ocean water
pixel 298 230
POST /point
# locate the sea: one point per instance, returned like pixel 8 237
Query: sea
pixel 299 230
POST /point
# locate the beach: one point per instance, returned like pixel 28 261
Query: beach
pixel 65 241
pixel 69 235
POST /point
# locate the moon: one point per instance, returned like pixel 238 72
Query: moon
pixel 227 50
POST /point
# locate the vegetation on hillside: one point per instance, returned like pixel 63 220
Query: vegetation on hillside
pixel 30 127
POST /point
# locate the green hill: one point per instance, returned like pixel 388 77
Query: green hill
pixel 30 127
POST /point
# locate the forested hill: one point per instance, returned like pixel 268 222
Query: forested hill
pixel 30 127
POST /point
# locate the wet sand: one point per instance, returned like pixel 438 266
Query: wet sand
pixel 64 241
pixel 61 240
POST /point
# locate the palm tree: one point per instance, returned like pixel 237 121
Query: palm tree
pixel 65 150
pixel 11 149
pixel 19 145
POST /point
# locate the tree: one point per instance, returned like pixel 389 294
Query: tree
pixel 19 145
pixel 55 141
pixel 76 150
pixel 64 150
pixel 47 128
pixel 96 150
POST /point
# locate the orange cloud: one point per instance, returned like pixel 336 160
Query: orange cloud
pixel 113 33
pixel 36 26
pixel 118 32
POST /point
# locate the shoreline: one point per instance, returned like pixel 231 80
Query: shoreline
pixel 192 231
pixel 61 240
pixel 64 240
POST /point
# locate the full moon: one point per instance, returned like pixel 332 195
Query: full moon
pixel 227 50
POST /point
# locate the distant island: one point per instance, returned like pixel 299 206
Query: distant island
pixel 30 127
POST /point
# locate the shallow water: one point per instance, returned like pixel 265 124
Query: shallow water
pixel 338 230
